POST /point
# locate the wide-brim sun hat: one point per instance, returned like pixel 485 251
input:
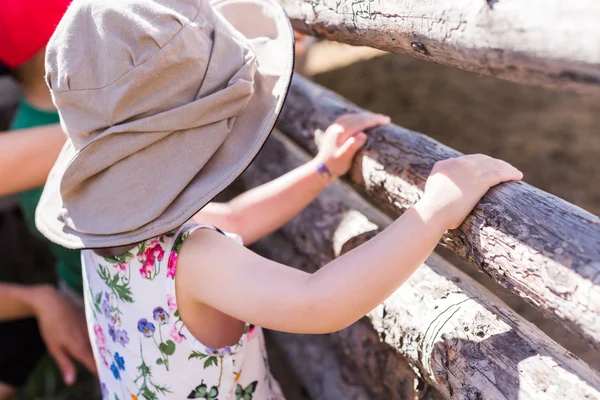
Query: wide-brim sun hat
pixel 164 103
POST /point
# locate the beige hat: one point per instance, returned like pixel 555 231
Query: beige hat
pixel 164 103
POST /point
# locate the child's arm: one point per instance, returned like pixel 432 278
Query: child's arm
pixel 266 208
pixel 27 155
pixel 219 273
pixel 61 326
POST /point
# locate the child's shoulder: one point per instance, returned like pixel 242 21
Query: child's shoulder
pixel 183 232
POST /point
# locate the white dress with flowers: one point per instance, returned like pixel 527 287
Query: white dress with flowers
pixel 142 348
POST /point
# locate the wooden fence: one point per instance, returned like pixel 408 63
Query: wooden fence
pixel 544 42
pixel 442 335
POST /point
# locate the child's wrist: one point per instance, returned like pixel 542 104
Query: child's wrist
pixel 430 213
pixel 323 172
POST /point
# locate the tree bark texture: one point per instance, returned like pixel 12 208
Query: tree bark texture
pixel 531 242
pixel 461 338
pixel 349 364
pixel 544 42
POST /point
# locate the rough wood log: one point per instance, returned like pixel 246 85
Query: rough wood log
pixel 544 42
pixel 531 242
pixel 462 339
pixel 365 365
pixel 320 370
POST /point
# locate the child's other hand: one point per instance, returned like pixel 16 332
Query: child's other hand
pixel 456 185
pixel 300 43
pixel 344 138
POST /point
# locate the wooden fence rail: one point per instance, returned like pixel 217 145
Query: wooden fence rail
pixel 462 339
pixel 533 243
pixel 545 42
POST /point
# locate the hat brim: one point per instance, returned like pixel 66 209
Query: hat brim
pixel 273 45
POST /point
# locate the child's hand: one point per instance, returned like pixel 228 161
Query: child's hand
pixel 300 43
pixel 456 185
pixel 344 138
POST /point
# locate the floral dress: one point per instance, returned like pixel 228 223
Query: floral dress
pixel 141 346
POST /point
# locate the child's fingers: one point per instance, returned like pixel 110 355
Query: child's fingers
pixel 353 123
pixel 504 174
pixel 352 145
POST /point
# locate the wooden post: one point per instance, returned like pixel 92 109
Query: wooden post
pixel 544 42
pixel 461 338
pixel 533 243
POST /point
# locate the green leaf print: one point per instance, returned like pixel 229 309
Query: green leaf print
pixel 123 292
pixel 197 354
pixel 179 242
pixel 168 348
pixel 117 284
pixel 211 361
pixel 147 394
pixel 162 389
pixel 97 301
pixel 208 360
pixel 147 389
pixel 120 258
pixel 159 361
pixel 142 248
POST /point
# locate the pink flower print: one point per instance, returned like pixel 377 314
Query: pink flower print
pixel 176 334
pixel 100 338
pixel 122 266
pixel 171 303
pixel 172 264
pixel 146 271
pixel 159 252
pixel 102 351
pixel 152 253
pixel 143 256
pixel 251 332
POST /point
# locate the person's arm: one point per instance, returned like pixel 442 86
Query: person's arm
pixel 262 210
pixel 230 278
pixel 16 301
pixel 27 155
pixel 62 327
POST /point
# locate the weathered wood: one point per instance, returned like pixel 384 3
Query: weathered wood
pixel 533 243
pixel 544 42
pixel 364 364
pixel 461 338
pixel 320 370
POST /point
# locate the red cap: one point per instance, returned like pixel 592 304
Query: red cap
pixel 26 27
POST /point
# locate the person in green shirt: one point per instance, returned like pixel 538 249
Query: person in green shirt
pixel 68 263
pixel 36 317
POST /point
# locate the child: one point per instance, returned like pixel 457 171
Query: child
pixel 164 104
pixel 30 313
